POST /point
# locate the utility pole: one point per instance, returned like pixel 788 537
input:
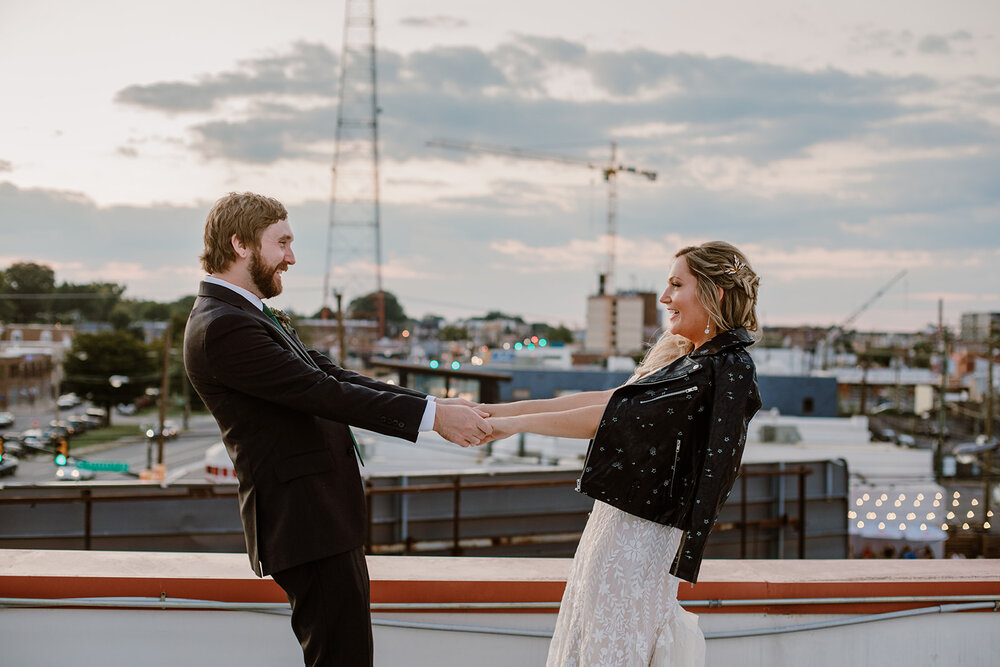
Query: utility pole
pixel 164 392
pixel 943 347
pixel 340 329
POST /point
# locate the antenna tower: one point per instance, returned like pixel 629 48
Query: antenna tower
pixel 354 238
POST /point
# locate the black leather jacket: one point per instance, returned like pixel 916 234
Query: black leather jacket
pixel 669 445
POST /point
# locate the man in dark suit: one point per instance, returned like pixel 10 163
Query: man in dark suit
pixel 284 413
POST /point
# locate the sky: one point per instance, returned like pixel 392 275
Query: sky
pixel 837 144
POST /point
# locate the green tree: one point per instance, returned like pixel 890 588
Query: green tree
pixel 497 315
pixel 366 308
pixel 22 279
pixel 110 368
pixel 452 332
pixel 559 334
pixel 93 302
pixel 121 317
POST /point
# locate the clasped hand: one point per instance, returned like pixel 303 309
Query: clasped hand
pixel 469 424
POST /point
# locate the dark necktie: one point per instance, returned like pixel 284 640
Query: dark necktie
pixel 271 315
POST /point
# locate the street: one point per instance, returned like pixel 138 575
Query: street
pixel 183 455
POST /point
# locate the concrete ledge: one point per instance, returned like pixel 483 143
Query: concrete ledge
pixel 414 579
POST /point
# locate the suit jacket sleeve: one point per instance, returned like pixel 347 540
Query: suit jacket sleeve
pixel 344 375
pixel 243 356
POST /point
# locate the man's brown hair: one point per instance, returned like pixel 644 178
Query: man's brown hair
pixel 244 214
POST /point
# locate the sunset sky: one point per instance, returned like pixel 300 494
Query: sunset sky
pixel 836 143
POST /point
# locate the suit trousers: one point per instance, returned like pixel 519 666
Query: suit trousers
pixel 331 616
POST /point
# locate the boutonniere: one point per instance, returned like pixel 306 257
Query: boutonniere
pixel 286 321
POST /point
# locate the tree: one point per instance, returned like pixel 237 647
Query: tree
pixel 452 332
pixel 27 278
pixel 559 334
pixel 92 302
pixel 110 368
pixel 366 308
pixel 497 315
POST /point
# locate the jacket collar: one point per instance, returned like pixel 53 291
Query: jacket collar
pixel 215 291
pixel 738 337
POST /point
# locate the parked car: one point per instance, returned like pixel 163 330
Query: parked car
pixel 883 435
pixel 68 401
pixel 6 419
pixel 153 430
pixel 125 408
pixel 905 440
pixel 98 414
pixel 79 423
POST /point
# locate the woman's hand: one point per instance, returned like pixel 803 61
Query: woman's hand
pixel 479 407
pixel 503 427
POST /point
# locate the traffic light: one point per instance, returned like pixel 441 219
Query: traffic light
pixel 62 452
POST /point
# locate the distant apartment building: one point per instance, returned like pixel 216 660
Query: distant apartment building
pixel 976 326
pixel 621 324
pixel 36 335
pixel 26 378
pixel 31 357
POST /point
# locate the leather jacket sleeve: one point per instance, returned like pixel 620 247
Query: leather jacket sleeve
pixel 735 399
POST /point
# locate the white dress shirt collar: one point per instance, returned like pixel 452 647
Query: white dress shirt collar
pixel 248 295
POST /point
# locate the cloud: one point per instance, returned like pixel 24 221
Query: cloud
pixel 307 69
pixel 868 39
pixel 942 44
pixel 439 21
pixel 6 165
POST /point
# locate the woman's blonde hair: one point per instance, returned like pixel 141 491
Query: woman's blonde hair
pixel 714 264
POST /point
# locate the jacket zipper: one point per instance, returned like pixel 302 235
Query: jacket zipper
pixel 668 395
pixel 673 470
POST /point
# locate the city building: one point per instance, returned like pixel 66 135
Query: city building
pixel 976 327
pixel 622 323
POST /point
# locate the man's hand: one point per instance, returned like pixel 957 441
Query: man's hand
pixel 461 401
pixel 460 424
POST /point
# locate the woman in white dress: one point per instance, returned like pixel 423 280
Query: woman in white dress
pixel 664 454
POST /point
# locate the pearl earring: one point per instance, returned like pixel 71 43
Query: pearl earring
pixel 706 327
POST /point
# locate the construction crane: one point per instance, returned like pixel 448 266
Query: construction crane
pixel 610 171
pixel 841 328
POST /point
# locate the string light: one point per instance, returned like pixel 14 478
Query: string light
pixel 878 503
pixel 852 515
pixel 860 502
pixel 866 497
pixel 944 526
pixel 923 526
pixel 965 526
pixel 951 515
pixel 911 516
pixel 986 525
pixel 920 496
pixel 871 516
pixel 881 526
pixel 957 495
pixel 975 501
pixel 930 516
pixel 891 516
pixel 861 524
pixel 902 526
pixel 937 503
pixel 970 514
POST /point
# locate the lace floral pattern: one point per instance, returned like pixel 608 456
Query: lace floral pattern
pixel 620 607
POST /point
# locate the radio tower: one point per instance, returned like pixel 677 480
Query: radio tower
pixel 354 243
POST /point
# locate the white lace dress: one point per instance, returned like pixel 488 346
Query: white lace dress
pixel 620 607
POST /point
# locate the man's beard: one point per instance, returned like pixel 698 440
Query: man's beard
pixel 265 279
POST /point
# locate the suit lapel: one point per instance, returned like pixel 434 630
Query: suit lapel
pixel 214 291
